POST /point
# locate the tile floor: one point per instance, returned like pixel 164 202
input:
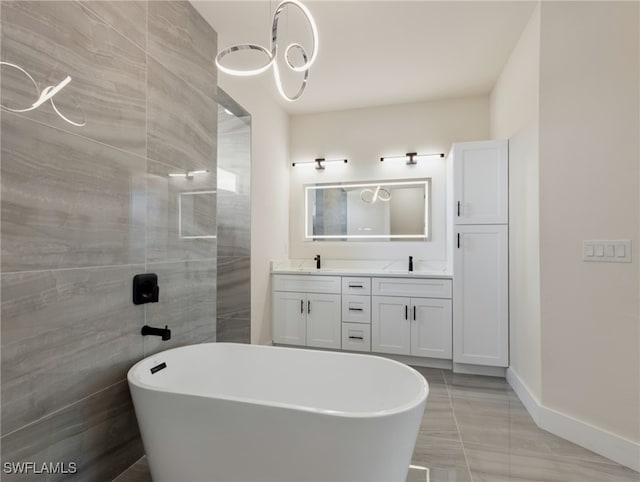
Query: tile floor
pixel 476 430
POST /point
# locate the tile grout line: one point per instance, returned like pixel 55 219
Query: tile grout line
pixel 146 154
pixel 72 133
pixel 145 264
pixel 51 414
pixel 455 420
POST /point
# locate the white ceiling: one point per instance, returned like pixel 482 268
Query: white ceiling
pixel 380 52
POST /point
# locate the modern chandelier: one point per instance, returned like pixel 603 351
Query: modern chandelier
pixel 271 55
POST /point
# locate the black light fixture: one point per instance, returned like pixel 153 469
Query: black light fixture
pixel 319 162
pixel 411 158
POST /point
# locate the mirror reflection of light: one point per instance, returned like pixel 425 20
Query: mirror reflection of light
pixel 188 174
pixel 44 96
pixel 227 181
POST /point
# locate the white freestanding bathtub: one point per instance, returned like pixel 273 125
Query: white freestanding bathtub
pixel 232 412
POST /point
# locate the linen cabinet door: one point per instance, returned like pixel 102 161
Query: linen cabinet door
pixel 289 318
pixel 431 328
pixel 481 182
pixel 324 323
pixel 480 295
pixel 390 325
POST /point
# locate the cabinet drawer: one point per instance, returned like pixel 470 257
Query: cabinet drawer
pixel 306 283
pixel 356 337
pixel 356 309
pixel 424 288
pixel 356 286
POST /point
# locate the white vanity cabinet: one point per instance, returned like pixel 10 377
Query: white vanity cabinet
pixel 480 252
pixel 392 315
pixel 356 313
pixel 416 325
pixel 306 310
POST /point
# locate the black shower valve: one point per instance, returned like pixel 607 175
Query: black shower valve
pixel 145 288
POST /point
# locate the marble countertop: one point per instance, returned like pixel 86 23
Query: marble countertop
pixel 341 267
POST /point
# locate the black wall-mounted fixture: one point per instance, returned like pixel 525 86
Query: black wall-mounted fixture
pixel 165 332
pixel 411 158
pixel 317 260
pixel 319 162
pixel 145 288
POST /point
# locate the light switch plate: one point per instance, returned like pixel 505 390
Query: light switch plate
pixel 607 251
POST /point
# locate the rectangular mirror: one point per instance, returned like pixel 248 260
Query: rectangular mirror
pixel 375 210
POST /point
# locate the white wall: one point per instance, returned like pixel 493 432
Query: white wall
pixel 363 136
pixel 514 116
pixel 589 189
pixel 269 193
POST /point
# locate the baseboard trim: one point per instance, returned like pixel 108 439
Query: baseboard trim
pixel 609 445
pixel 485 370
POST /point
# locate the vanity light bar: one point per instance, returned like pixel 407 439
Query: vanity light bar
pixel 368 184
pixel 411 158
pixel 188 174
pixel 320 162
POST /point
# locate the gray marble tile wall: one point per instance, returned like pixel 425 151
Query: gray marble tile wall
pixel 84 209
pixel 234 222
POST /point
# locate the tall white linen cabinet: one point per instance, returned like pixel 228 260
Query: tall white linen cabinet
pixel 479 249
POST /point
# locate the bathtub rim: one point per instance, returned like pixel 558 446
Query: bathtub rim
pixel 403 408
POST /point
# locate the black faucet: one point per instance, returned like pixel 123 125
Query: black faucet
pixel 317 260
pixel 165 332
pixel 410 263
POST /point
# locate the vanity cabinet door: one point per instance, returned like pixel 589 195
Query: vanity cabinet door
pixel 324 323
pixel 431 328
pixel 390 325
pixel 289 318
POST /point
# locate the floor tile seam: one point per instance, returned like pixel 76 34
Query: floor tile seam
pixel 131 467
pixel 55 412
pixel 456 438
pixel 455 420
pixel 555 456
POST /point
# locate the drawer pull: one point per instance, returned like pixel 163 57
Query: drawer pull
pixel 351 285
pixel 301 306
pixel 355 337
pixel 355 309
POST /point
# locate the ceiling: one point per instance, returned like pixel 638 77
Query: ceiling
pixel 378 52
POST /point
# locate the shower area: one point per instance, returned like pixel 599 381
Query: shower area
pixel 119 156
